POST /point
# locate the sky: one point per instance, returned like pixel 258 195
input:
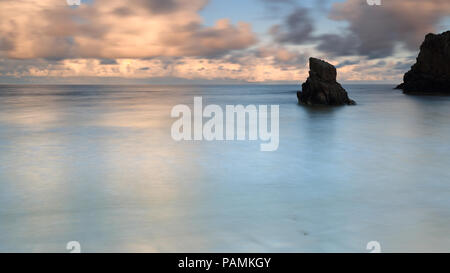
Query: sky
pixel 215 41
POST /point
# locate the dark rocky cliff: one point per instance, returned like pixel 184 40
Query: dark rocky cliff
pixel 431 73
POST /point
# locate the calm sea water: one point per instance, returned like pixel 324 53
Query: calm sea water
pixel 97 164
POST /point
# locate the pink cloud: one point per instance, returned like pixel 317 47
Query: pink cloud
pixel 115 29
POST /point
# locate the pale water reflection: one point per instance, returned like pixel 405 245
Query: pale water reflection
pixel 97 164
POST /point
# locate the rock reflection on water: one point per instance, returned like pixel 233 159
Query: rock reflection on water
pixel 97 164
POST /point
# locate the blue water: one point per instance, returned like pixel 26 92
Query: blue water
pixel 97 164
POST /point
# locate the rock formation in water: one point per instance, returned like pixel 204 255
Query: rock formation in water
pixel 321 86
pixel 431 73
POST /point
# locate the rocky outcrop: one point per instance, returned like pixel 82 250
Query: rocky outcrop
pixel 321 86
pixel 431 73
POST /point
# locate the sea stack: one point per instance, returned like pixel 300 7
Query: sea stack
pixel 321 87
pixel 431 73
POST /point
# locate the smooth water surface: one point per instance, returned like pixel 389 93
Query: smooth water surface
pixel 97 164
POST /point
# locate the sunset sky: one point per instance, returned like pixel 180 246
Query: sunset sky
pixel 215 41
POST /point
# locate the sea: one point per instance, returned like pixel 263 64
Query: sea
pixel 97 165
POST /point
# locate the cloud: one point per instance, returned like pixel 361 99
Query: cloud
pixel 6 43
pixel 108 61
pixel 278 2
pixel 282 57
pixel 111 29
pixel 144 39
pixel 263 64
pixel 337 45
pixel 195 40
pixel 347 63
pixel 358 69
pixel 296 29
pixel 374 31
pixel 253 65
pixel 402 66
pixel 161 6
